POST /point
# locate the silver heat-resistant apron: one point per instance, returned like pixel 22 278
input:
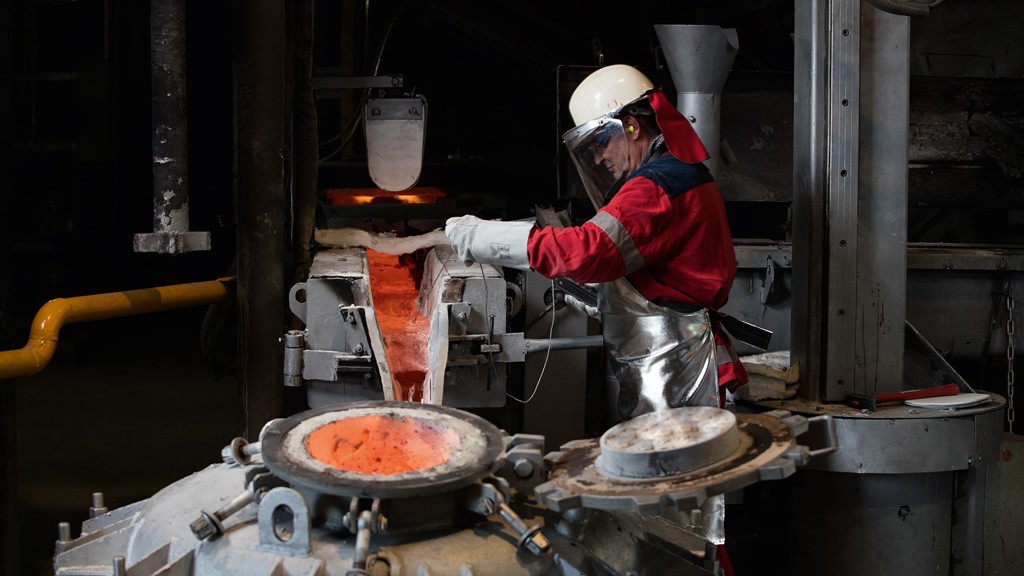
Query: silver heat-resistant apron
pixel 662 359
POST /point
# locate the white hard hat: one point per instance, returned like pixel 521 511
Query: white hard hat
pixel 607 90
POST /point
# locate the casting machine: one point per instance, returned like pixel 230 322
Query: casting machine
pixel 390 472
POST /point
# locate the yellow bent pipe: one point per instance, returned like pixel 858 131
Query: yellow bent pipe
pixel 42 340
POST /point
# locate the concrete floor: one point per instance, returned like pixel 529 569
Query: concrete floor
pixel 125 408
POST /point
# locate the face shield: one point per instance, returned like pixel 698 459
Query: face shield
pixel 601 154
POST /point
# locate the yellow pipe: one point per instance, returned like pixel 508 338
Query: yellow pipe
pixel 42 340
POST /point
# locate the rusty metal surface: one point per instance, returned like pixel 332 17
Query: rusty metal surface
pixel 765 451
pixel 668 442
pixel 884 412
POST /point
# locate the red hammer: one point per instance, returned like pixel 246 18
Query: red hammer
pixel 865 402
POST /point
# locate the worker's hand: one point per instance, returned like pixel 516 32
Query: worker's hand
pixel 490 241
pixel 578 304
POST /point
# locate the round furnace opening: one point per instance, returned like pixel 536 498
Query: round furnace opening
pixel 383 444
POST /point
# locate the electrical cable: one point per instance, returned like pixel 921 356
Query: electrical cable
pixel 349 130
pixel 547 356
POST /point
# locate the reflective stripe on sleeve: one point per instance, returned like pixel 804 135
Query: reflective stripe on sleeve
pixel 621 238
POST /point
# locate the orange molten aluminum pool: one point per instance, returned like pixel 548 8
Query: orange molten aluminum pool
pixel 381 449
pixel 383 444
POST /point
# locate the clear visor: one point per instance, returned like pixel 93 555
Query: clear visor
pixel 601 155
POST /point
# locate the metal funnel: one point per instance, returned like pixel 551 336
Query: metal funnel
pixel 699 59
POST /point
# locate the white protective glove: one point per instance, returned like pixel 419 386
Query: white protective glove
pixel 579 305
pixel 490 241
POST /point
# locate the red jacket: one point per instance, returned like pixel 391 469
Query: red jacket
pixel 677 245
pixel 666 231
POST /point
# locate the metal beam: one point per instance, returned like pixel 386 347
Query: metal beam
pixel 260 205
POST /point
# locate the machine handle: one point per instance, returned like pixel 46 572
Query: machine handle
pixel 944 390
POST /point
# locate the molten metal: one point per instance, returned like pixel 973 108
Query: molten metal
pixel 383 444
pixel 404 330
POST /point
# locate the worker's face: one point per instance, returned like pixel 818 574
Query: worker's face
pixel 601 154
pixel 614 157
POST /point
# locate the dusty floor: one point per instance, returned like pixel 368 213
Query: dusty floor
pixel 125 408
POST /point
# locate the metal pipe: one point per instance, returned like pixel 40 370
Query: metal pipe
pixel 699 58
pixel 171 233
pixel 42 340
pixel 570 343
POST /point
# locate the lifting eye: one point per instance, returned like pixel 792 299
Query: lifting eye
pixel 284 523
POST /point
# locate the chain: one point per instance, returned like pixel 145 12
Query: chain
pixel 1010 415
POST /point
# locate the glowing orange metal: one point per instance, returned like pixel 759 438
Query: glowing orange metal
pixel 383 444
pixel 356 196
pixel 404 330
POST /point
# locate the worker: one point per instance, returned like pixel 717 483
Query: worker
pixel 659 245
pixel 659 248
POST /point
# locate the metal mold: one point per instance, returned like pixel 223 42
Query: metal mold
pixel 670 442
pixel 767 451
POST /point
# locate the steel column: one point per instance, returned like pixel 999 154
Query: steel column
pixel 842 173
pixel 261 205
pixel 809 115
pixel 305 140
pixel 881 281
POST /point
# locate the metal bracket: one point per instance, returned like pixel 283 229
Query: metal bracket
pixel 284 522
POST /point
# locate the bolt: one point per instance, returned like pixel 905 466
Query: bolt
pixel 523 468
pixel 63 532
pixel 530 537
pixel 537 543
pixel 240 451
pixel 202 527
pixel 208 525
pixel 97 509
